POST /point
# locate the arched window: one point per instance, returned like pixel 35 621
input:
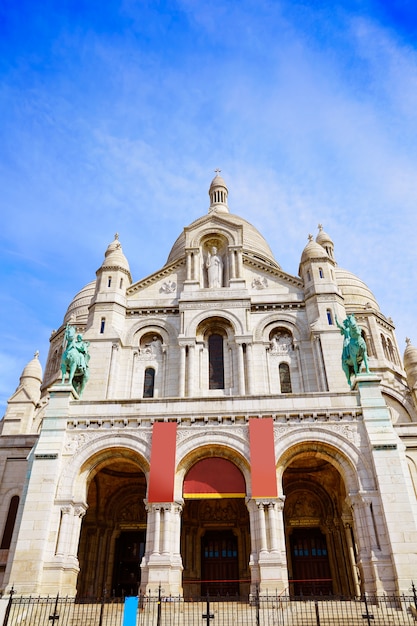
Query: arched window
pixel 149 382
pixel 321 274
pixel 367 342
pixel 285 378
pixel 216 362
pixel 390 349
pixel 10 522
pixel 109 281
pixel 384 346
pixel 102 325
pixel 329 317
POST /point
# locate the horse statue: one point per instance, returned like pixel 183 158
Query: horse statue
pixel 75 359
pixel 354 353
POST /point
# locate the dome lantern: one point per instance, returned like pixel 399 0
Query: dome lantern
pixel 218 193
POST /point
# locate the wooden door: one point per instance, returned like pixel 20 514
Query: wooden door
pixel 219 564
pixel 310 563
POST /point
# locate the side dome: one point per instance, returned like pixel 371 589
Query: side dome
pixel 33 369
pixel 410 363
pixel 355 292
pixel 254 243
pixel 313 250
pixel 78 308
pixel 115 258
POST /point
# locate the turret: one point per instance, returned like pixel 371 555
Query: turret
pixel 108 305
pixel 324 303
pixel 22 405
pixel 317 269
pixel 410 366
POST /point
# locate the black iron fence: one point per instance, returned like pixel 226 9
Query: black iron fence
pixel 265 610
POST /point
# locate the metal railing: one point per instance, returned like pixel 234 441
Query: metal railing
pixel 256 610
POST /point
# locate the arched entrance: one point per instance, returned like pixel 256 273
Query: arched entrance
pixel 113 533
pixel 215 541
pixel 318 527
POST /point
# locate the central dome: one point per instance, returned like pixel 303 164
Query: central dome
pixel 254 243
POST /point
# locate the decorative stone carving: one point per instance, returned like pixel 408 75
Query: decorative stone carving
pixel 281 344
pixel 168 287
pixel 217 511
pixel 259 283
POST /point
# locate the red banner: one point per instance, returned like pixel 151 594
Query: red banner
pixel 262 458
pixel 214 478
pixel 162 471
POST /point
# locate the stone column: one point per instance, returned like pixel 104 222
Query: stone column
pixel 241 369
pixel 191 370
pixel 177 510
pixel 188 264
pixel 113 370
pixel 348 534
pixel 268 562
pixel 162 563
pixel 366 542
pixel 272 523
pixel 181 385
pixel 320 369
pixel 78 514
pixel 249 363
pixel 196 257
pixel 64 531
pixel 263 546
pixel 299 366
pixel 156 529
pixel 239 264
pixel 232 264
pixel 166 510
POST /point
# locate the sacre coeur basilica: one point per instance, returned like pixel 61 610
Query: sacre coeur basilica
pixel 215 426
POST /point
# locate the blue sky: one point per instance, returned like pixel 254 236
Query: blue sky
pixel 115 114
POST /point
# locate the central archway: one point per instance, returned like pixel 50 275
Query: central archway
pixel 215 542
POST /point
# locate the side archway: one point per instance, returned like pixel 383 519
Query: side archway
pixel 319 524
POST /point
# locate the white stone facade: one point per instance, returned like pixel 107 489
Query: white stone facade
pixel 218 337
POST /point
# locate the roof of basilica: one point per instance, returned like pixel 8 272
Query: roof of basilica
pixel 253 241
pixel 355 292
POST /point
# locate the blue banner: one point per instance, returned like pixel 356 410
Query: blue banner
pixel 130 611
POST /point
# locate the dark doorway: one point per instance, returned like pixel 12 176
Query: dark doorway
pixel 310 563
pixel 219 564
pixel 129 550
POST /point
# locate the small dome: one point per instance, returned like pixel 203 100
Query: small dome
pixel 33 369
pixel 313 250
pixel 410 354
pixel 323 238
pixel 410 363
pixel 326 241
pixel 354 291
pixel 78 308
pixel 218 193
pixel 218 181
pixel 114 257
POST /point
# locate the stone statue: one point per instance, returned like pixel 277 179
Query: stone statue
pixel 214 265
pixel 354 352
pixel 75 360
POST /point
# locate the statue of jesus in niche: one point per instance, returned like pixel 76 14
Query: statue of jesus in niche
pixel 214 265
